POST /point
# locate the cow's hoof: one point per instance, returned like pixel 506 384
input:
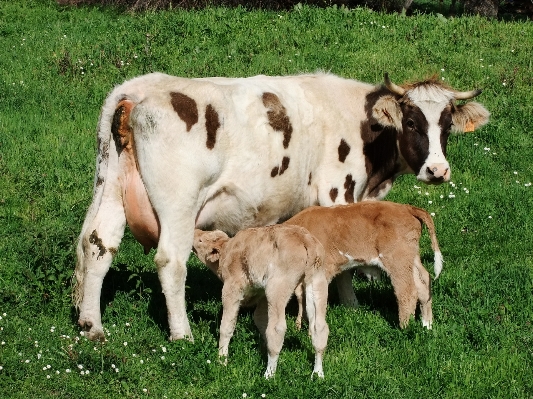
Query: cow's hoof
pixel 178 337
pixel 91 332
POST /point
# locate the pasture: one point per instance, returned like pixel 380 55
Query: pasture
pixel 57 66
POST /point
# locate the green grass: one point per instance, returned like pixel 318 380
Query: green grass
pixel 56 67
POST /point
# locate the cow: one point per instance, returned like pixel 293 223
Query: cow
pixel 262 267
pixel 375 236
pixel 175 154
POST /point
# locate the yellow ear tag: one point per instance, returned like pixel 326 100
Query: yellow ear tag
pixel 469 127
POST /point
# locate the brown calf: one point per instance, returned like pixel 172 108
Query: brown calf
pixel 382 235
pixel 263 267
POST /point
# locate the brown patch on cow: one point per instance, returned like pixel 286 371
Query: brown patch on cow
pixel 379 147
pixel 349 185
pixel 277 116
pixel 333 194
pixel 99 181
pixel 274 172
pixel 97 241
pixel 310 177
pixel 284 165
pixel 113 251
pixel 212 123
pixel 185 107
pixel 344 150
pixel 104 150
pixel 120 126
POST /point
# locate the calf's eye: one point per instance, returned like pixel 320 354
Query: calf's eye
pixel 410 124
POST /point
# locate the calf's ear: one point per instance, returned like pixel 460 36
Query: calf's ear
pixel 469 117
pixel 387 112
pixel 214 255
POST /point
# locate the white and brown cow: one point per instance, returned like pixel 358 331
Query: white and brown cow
pixel 227 154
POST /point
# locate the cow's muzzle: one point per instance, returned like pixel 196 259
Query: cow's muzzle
pixel 438 173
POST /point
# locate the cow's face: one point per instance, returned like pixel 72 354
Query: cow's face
pixel 425 114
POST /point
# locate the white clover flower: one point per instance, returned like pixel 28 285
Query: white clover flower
pixel 125 344
pixel 57 371
pixel 432 213
pixel 1 368
pixel 80 366
pixel 142 361
pixel 527 184
pixel 263 395
pixel 39 356
pixel 244 395
pixel 490 217
pixel 515 172
pixel 208 361
pixel 4 314
pixel 116 370
pixel 3 342
pixel 127 324
pixel 162 357
pixel 486 149
pixel 430 202
pixel 27 361
pixel 86 372
pixel 113 366
pixel 82 372
pixel 48 376
pixel 67 371
pixel 145 390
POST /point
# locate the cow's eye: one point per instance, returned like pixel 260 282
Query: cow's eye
pixel 410 124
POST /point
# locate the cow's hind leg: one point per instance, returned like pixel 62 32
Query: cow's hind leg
pixel 98 243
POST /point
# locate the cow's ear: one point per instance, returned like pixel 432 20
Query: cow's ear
pixel 387 112
pixel 469 117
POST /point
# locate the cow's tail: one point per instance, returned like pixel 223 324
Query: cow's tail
pixel 426 218
pixel 107 155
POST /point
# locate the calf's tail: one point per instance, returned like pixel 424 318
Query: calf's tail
pixel 426 219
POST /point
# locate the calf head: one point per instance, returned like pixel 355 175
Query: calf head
pixel 424 114
pixel 208 245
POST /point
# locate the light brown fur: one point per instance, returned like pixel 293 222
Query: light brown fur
pixel 377 234
pixel 263 267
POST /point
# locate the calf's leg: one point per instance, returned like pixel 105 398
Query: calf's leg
pixel 278 293
pixel 316 306
pixel 231 301
pixel 423 286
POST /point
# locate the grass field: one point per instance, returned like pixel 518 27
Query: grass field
pixel 57 66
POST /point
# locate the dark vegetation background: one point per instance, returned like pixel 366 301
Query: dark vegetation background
pixel 487 8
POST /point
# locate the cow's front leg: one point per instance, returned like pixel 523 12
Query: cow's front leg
pixel 102 232
pixel 346 293
pixel 171 260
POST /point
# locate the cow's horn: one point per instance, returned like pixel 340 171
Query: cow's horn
pixel 465 95
pixel 393 87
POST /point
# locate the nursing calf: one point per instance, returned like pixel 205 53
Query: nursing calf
pixel 382 235
pixel 263 267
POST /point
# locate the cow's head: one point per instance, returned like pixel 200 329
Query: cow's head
pixel 424 114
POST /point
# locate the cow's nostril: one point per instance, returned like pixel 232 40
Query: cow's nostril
pixel 431 171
